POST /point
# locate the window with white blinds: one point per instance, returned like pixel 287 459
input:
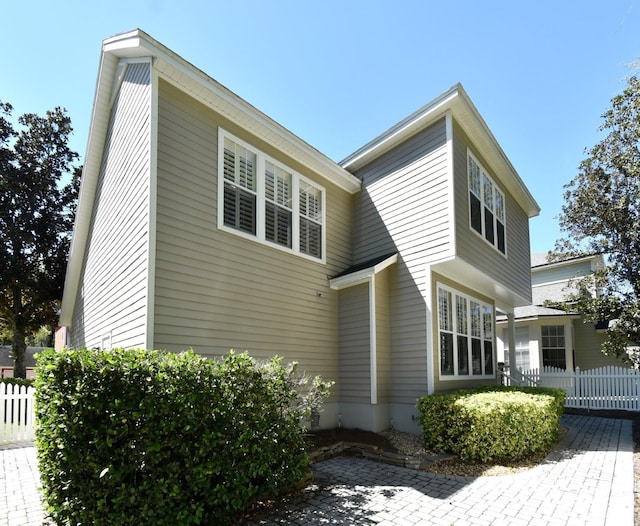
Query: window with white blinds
pixel 466 341
pixel 239 187
pixel 486 205
pixel 264 199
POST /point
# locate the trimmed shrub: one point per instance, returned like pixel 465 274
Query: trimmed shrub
pixel 154 438
pixel 492 423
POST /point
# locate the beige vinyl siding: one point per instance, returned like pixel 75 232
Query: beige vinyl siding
pixel 217 291
pixel 512 271
pixel 111 301
pixel 409 335
pixel 404 207
pixel 404 201
pixel 355 345
pixel 587 347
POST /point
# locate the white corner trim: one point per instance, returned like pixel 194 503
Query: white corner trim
pixel 451 181
pixel 373 341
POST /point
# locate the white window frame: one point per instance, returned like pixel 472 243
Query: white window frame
pixel 496 195
pixel 261 200
pixel 555 348
pixel 453 320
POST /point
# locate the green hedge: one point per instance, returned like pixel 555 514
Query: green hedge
pixel 153 438
pixel 17 381
pixel 492 423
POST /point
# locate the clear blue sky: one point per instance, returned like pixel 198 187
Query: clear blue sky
pixel 338 72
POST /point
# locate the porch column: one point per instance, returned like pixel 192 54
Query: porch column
pixel 511 337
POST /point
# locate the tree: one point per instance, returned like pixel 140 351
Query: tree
pixel 36 221
pixel 601 214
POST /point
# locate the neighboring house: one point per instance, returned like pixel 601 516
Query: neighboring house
pixel 6 361
pixel 546 336
pixel 204 224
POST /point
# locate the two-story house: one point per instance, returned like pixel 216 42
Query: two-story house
pixel 204 224
pixel 548 336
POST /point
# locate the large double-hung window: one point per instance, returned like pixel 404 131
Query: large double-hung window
pixel 465 330
pixel 486 205
pixel 553 346
pixel 263 199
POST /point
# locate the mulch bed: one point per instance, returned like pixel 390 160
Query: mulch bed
pixel 329 437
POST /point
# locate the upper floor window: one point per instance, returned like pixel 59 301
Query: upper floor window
pixel 263 199
pixel 465 330
pixel 486 205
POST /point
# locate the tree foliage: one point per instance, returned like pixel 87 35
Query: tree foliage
pixel 601 215
pixel 36 220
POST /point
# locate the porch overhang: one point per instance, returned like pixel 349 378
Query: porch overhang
pixel 363 272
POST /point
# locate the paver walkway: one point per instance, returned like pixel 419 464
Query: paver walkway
pixel 20 503
pixel 587 480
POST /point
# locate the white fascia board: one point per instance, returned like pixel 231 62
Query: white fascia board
pixel 133 46
pixel 98 128
pixel 475 126
pixel 457 102
pixel 399 132
pixel 204 88
pixel 596 259
pixel 351 280
pixel 559 317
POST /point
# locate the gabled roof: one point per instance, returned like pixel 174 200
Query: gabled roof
pixel 136 45
pixel 175 69
pixel 456 101
pixel 539 260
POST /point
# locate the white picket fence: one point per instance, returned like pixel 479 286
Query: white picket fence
pixel 607 387
pixel 17 413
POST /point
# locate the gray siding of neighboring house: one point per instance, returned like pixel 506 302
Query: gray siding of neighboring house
pixel 555 283
pixel 111 305
pixel 587 345
pixel 564 272
pixel 512 271
pixel 355 344
pixel 403 207
pixel 216 291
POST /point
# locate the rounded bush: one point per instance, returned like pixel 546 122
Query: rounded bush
pixel 489 424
